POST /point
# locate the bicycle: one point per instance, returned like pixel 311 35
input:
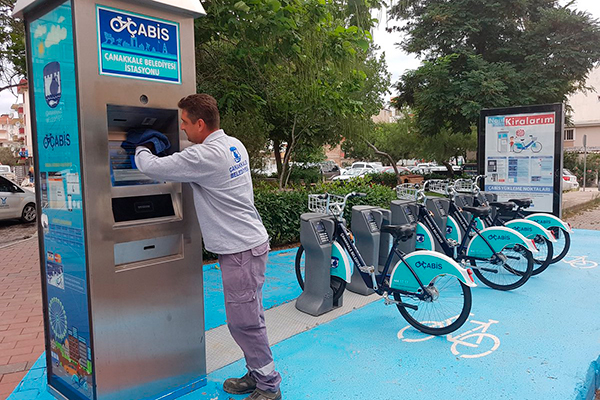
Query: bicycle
pixel 427 287
pixel 500 257
pixel 533 144
pixel 559 228
pixel 542 238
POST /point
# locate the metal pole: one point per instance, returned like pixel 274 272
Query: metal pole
pixel 584 159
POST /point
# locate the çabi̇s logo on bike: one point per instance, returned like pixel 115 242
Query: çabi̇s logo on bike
pixel 52 84
pixel 425 265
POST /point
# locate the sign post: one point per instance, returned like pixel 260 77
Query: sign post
pixel 520 153
pixel 584 159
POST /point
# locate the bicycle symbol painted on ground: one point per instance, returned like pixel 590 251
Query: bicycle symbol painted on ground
pixel 581 262
pixel 474 343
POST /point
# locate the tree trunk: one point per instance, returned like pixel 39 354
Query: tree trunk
pixel 277 152
pixel 390 159
pixel 449 168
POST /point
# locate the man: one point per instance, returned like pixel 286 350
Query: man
pixel 218 170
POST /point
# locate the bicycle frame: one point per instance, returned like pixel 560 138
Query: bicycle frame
pixel 378 282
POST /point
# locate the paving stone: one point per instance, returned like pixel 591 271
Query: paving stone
pixel 10 368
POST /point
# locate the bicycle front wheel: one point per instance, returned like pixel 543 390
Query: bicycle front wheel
pixel 536 147
pixel 337 284
pixel 543 258
pixel 562 244
pixel 447 311
pixel 506 270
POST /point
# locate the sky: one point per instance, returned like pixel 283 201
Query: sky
pixel 397 60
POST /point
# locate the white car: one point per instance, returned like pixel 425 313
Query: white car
pixel 569 180
pixel 364 164
pixel 353 173
pixel 16 202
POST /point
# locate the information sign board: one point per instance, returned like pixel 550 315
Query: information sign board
pixel 520 152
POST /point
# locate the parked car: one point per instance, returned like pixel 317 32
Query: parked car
pixel 569 180
pixel 353 173
pixel 16 202
pixel 407 175
pixel 329 169
pixel 365 164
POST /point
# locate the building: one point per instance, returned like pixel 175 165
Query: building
pixel 585 117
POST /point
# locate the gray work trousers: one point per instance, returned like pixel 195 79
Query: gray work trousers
pixel 243 278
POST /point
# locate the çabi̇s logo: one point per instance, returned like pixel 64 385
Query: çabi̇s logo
pixel 52 84
pixel 236 154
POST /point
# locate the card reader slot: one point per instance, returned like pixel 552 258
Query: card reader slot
pixel 147 249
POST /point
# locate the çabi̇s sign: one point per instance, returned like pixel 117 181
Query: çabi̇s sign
pixel 136 46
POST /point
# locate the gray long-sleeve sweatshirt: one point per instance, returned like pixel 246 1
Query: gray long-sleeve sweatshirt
pixel 218 171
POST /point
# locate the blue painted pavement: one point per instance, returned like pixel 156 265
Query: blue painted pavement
pixel 538 342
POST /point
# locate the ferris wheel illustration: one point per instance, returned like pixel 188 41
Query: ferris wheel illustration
pixel 58 318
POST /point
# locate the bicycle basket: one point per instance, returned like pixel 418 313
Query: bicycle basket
pixel 329 204
pixel 407 191
pixel 463 185
pixel 439 186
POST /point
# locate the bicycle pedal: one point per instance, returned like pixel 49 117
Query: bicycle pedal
pixel 367 269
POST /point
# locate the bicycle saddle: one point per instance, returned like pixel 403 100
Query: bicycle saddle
pixel 403 232
pixel 523 203
pixel 481 211
pixel 503 206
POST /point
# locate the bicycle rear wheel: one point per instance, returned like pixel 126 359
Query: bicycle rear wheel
pixel 448 310
pixel 337 284
pixel 510 269
pixel 543 258
pixel 562 244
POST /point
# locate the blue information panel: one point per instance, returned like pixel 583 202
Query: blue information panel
pixel 59 175
pixel 136 46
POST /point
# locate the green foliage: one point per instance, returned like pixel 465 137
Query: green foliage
pixel 396 139
pixel 574 163
pixel 306 175
pixel 482 54
pixel 7 156
pixel 304 67
pixel 12 46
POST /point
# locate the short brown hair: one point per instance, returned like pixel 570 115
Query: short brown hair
pixel 201 106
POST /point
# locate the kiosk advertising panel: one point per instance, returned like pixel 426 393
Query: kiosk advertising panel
pixel 520 153
pixel 69 347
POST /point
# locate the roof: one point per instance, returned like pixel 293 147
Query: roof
pixel 191 7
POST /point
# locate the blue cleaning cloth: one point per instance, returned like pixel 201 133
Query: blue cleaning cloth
pixel 137 137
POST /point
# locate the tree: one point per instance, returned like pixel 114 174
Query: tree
pixel 12 47
pixel 484 53
pixel 300 66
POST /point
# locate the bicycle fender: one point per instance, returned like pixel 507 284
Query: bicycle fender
pixel 498 237
pixel 549 221
pixel 452 230
pixel 479 224
pixel 427 265
pixel 529 229
pixel 341 265
pixel 424 238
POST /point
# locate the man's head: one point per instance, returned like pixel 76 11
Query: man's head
pixel 199 116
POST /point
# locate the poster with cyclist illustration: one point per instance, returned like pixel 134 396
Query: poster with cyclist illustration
pixel 520 153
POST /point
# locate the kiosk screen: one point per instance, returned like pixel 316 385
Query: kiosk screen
pixel 123 171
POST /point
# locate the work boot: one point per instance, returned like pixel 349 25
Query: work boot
pixel 259 394
pixel 245 384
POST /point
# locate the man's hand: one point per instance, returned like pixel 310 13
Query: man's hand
pixel 149 146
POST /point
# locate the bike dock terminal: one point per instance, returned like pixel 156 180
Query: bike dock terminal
pixel 537 342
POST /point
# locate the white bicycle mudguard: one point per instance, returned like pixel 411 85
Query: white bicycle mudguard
pixel 529 228
pixel 424 238
pixel 341 264
pixel 479 224
pixel 427 265
pixel 453 230
pixel 549 221
pixel 498 237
